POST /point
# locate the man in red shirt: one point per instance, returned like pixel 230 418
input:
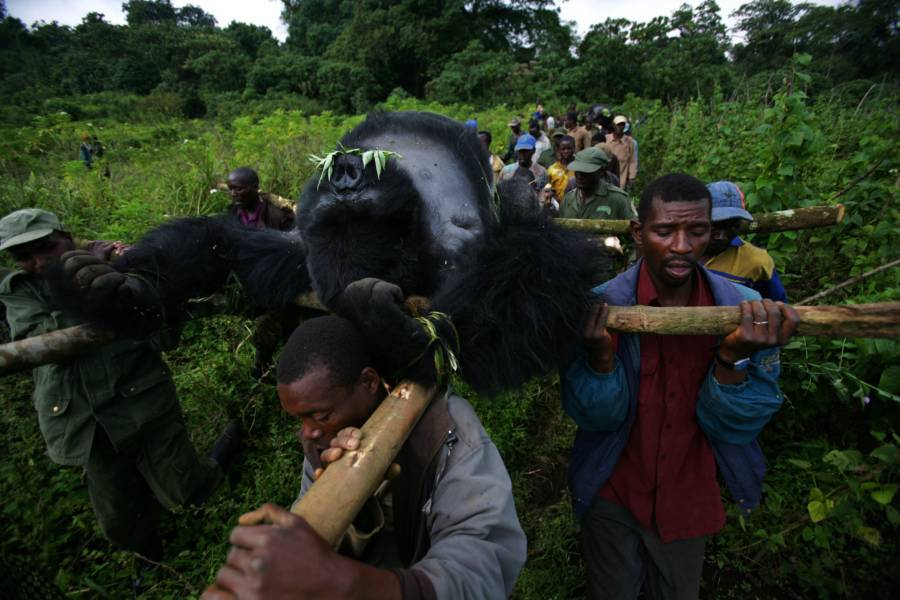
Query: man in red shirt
pixel 657 414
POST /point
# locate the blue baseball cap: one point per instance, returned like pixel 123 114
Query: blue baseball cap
pixel 525 142
pixel 472 123
pixel 727 202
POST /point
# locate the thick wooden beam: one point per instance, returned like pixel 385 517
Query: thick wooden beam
pixel 335 499
pixel 879 320
pixel 782 220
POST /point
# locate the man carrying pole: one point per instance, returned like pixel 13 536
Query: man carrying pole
pixel 658 414
pixel 113 408
pixel 444 526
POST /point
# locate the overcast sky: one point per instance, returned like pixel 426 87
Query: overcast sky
pixel 266 12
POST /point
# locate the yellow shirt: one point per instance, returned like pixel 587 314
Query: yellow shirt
pixel 559 179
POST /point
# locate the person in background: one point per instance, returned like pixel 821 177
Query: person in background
pixel 85 151
pixel 622 147
pixel 730 256
pixel 515 128
pixel 629 132
pixel 561 177
pixel 581 135
pixel 112 410
pixel 253 209
pixel 541 141
pixel 548 156
pixel 595 198
pixel 496 162
pixel 658 415
pixel 525 167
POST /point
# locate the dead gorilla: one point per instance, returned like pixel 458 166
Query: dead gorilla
pixel 515 286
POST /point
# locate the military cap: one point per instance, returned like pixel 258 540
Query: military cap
pixel 26 225
pixel 589 160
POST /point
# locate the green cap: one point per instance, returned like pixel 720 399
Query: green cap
pixel 560 131
pixel 26 225
pixel 589 160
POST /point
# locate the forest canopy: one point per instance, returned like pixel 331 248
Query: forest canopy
pixel 346 56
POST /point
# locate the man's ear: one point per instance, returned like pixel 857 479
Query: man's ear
pixel 370 380
pixel 637 233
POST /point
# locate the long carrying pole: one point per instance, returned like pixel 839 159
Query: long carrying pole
pixel 879 320
pixel 783 220
pixel 335 499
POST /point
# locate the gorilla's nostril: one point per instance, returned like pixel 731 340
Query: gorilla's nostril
pixel 348 174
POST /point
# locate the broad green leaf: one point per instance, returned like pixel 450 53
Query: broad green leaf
pixel 886 453
pixel 893 515
pixel 367 157
pixel 870 534
pixel 884 495
pixel 803 464
pixel 890 379
pixel 817 511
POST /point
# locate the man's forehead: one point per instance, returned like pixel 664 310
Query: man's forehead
pixel 678 211
pixel 314 383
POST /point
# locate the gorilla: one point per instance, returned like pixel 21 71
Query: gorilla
pixel 511 288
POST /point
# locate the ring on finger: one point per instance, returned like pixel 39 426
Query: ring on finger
pixel 760 322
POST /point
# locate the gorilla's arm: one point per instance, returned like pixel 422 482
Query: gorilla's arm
pixel 184 259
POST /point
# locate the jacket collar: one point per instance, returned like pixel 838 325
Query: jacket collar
pixel 622 289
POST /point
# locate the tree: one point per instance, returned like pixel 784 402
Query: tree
pixel 143 12
pixel 194 16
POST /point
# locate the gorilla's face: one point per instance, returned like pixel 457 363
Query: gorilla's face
pixel 355 193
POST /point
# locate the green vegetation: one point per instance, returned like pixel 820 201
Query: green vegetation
pixel 818 128
pixel 347 55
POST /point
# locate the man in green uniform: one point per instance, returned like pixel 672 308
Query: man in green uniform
pixel 595 198
pixel 112 410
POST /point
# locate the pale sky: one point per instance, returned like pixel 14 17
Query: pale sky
pixel 267 12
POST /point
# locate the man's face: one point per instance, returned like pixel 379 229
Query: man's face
pixel 535 131
pixel 673 238
pixel 565 151
pixel 721 235
pixel 569 123
pixel 620 129
pixel 243 192
pixel 587 182
pixel 35 256
pixel 523 157
pixel 516 129
pixel 325 408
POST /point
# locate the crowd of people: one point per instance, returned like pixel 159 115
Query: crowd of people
pixel 658 416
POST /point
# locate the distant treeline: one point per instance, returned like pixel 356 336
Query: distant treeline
pixel 346 55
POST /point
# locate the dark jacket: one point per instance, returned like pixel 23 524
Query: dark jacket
pixel 123 385
pixel 604 405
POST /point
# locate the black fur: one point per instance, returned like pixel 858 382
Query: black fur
pixel 516 286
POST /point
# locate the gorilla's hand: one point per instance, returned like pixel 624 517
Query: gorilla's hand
pixel 399 343
pixel 102 287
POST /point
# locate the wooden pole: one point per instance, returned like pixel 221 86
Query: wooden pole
pixel 782 220
pixel 335 499
pixel 879 320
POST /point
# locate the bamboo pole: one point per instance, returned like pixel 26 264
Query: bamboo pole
pixel 334 500
pixel 783 220
pixel 879 320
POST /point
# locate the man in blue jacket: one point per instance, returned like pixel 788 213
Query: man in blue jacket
pixel 658 416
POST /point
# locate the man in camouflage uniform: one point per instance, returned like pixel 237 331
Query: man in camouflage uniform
pixel 112 410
